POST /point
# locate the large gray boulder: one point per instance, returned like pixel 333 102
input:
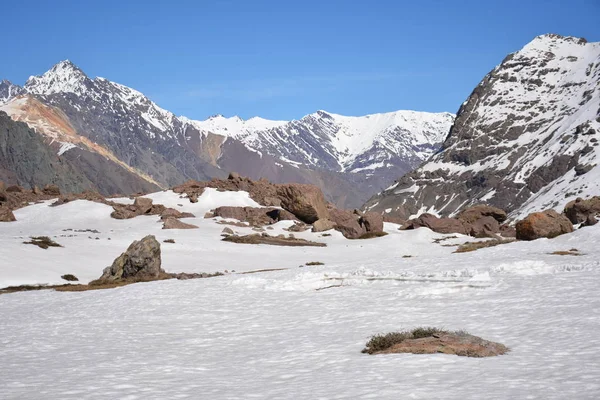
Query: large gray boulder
pixel 141 262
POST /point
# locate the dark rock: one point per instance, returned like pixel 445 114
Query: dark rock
pixel 323 225
pixel 476 212
pixel 174 223
pixel 579 210
pixel 51 190
pixel 6 214
pixel 371 222
pixel 173 213
pixel 264 238
pixel 306 202
pixel 546 224
pixel 227 231
pixel 15 189
pixel 70 278
pixel 141 261
pixel 440 225
pixel 3 194
pixel 142 204
pixel 347 223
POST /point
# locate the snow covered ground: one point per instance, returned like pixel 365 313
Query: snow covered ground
pixel 273 335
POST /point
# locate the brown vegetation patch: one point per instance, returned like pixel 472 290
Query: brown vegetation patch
pixel 271 240
pixel 309 264
pixel 572 252
pixel 256 271
pixel 444 238
pixel 433 340
pixel 43 242
pixel 472 246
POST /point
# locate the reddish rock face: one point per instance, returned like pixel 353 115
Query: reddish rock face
pixel 546 224
pixel 580 210
pixel 440 225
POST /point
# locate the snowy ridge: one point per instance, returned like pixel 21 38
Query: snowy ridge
pixel 527 136
pixel 338 142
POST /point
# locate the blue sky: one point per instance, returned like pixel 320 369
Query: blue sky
pixel 285 59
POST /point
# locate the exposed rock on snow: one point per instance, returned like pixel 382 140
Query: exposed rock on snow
pixel 6 214
pixel 174 223
pixel 264 238
pixel 304 201
pixel 253 215
pixel 141 261
pixel 583 211
pixel 546 224
pixel 457 343
pixel 140 206
pixel 323 225
pixel 440 225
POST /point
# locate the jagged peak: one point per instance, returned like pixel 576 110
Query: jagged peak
pixel 64 76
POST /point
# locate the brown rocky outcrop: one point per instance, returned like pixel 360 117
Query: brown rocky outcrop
pixel 3 194
pixel 440 225
pixel 347 223
pixel 173 213
pixel 174 223
pixel 546 224
pixel 306 202
pixel 261 191
pixel 264 238
pixel 51 190
pixel 583 211
pixel 323 225
pixel 255 216
pixel 371 222
pixel 456 343
pixel 141 261
pixel 6 215
pixel 140 206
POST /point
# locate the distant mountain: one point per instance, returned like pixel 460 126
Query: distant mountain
pixel 350 158
pixel 8 90
pixel 526 138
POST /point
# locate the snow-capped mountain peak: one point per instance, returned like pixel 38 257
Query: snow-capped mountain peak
pixel 62 77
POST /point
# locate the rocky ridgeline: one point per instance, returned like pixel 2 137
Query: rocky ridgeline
pixel 292 201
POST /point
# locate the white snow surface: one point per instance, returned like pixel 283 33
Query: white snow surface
pixel 273 335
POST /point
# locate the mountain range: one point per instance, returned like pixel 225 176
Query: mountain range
pixel 525 140
pixel 123 142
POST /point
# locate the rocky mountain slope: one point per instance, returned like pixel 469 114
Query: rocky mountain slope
pixel 350 158
pixel 525 139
